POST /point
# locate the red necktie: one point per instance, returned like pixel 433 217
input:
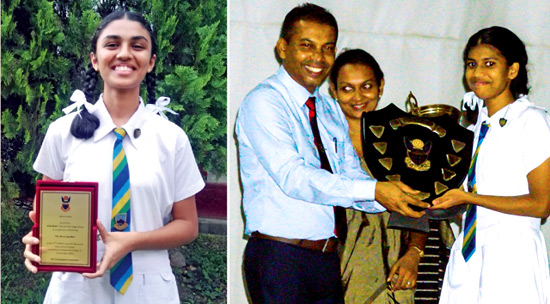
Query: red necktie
pixel 341 228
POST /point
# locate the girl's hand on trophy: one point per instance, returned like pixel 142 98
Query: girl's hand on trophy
pixel 451 198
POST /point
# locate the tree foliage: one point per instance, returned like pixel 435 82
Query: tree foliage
pixel 45 51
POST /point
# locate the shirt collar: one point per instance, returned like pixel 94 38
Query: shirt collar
pixel 106 124
pixel 509 112
pixel 296 90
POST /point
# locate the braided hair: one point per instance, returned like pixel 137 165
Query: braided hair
pixel 85 124
pixel 151 83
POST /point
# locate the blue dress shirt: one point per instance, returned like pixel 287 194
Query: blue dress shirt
pixel 285 193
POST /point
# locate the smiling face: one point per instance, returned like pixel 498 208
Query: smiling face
pixel 309 54
pixel 356 89
pixel 488 74
pixel 123 55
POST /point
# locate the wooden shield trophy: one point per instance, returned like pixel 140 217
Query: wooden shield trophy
pixel 429 152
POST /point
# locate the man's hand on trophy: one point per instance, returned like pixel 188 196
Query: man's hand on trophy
pixel 396 197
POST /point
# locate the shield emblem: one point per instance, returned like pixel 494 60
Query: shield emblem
pixel 65 201
pixel 120 222
pixel 429 154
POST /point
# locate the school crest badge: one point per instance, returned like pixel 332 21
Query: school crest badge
pixel 65 201
pixel 120 222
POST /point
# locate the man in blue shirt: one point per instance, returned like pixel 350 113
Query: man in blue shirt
pixel 289 194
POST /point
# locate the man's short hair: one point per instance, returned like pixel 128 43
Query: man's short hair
pixel 307 12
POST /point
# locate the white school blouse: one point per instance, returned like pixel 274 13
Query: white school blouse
pixel 510 264
pixel 162 171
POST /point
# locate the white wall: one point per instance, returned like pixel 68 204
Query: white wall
pixel 418 44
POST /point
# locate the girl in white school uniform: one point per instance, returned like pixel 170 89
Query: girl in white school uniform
pixel 504 259
pixel 163 174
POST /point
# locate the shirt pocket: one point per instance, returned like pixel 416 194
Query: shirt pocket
pixel 336 147
pixel 159 288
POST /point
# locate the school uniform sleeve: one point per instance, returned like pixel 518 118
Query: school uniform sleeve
pixel 188 179
pixel 536 139
pixel 50 160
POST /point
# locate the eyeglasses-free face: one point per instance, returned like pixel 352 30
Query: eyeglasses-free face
pixel 123 56
pixel 309 54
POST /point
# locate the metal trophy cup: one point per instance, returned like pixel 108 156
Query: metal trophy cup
pixel 426 149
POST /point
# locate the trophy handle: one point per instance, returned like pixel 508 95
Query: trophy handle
pixel 411 104
pixel 423 122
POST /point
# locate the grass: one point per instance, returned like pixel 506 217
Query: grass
pixel 201 280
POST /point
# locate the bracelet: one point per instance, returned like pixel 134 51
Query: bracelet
pixel 420 251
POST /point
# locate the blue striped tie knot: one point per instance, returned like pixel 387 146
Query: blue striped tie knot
pixel 121 273
pixel 470 223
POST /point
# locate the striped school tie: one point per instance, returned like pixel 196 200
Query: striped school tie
pixel 469 243
pixel 121 273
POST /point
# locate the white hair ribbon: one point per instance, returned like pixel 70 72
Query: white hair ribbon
pixel 79 99
pixel 160 106
pixel 471 100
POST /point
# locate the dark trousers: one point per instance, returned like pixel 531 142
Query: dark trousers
pixel 280 273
